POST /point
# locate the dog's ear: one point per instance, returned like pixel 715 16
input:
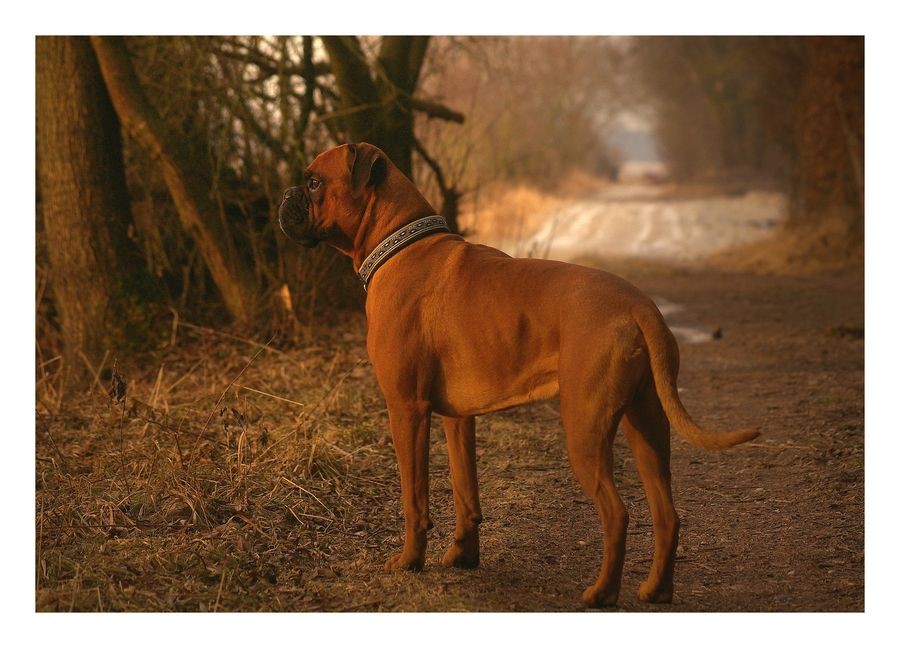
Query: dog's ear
pixel 367 166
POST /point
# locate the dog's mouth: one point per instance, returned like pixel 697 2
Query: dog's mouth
pixel 299 235
pixel 293 219
pixel 308 242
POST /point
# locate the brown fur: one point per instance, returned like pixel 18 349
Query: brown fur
pixel 460 330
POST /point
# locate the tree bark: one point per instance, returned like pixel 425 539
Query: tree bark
pixel 99 280
pixel 187 184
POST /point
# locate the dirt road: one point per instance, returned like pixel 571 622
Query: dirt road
pixel 295 506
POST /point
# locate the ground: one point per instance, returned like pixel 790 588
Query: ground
pixel 180 498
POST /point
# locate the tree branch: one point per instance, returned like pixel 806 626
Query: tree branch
pixel 267 64
pixel 449 195
pixel 188 185
pixel 435 110
pixel 432 164
pixel 243 112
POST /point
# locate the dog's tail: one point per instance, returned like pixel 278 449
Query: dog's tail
pixel 664 360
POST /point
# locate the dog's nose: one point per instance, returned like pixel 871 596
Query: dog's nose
pixel 290 192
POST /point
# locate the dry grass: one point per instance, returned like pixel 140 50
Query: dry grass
pixel 219 482
pixel 514 212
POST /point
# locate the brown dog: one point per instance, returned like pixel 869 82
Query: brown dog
pixel 461 330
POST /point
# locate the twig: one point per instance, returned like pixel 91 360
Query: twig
pixel 156 386
pixel 219 595
pixel 281 398
pixel 337 114
pixel 91 367
pixel 62 460
pixel 178 445
pixel 122 447
pixel 40 544
pixel 311 494
pixel 175 431
pixel 337 386
pixel 435 110
pixel 46 362
pixel 99 371
pixel 174 327
pixel 230 336
pixel 297 516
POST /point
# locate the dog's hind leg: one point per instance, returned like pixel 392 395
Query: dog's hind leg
pixel 595 389
pixel 647 431
pixel 463 552
pixel 589 439
pixel 410 427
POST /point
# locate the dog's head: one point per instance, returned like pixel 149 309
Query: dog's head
pixel 336 189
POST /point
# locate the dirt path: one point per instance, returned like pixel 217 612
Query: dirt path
pixel 777 525
pixel 774 525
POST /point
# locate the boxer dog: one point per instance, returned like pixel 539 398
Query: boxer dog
pixel 461 330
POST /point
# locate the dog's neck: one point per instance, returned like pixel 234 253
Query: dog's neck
pixel 391 214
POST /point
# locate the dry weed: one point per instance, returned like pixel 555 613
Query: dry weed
pixel 514 212
pixel 219 479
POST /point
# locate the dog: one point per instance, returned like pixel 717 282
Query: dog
pixel 460 330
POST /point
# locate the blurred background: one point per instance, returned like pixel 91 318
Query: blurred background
pixel 161 162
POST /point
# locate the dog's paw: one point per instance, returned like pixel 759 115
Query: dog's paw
pixel 596 596
pixel 650 593
pixel 458 555
pixel 402 562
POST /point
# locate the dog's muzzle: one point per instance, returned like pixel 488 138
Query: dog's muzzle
pixel 293 217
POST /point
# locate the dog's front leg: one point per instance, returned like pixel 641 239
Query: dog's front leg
pixel 410 426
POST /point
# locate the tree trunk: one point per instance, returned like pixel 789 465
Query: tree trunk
pixel 379 111
pixel 99 280
pixel 187 183
pixel 400 61
pixel 829 133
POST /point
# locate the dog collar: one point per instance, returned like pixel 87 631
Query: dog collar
pixel 397 241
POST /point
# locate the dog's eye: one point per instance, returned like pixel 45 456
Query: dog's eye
pixel 313 183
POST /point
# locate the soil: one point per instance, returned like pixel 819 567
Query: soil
pixel 131 518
